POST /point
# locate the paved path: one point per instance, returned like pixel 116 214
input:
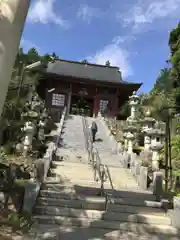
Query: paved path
pixel 106 146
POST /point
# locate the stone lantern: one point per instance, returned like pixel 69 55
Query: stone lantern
pixel 36 104
pixel 156 146
pixel 29 134
pixel 31 115
pixel 147 123
pixel 129 130
pixel 130 138
pixel 41 125
pixel 133 103
pixel 125 141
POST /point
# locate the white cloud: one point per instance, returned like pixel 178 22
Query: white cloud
pixel 122 39
pixel 150 11
pixel 87 13
pixel 42 11
pixel 116 55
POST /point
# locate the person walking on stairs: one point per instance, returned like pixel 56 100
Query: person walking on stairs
pixel 94 130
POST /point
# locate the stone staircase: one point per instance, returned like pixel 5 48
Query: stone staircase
pixel 70 206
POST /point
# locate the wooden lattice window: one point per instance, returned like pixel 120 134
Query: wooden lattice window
pixel 58 99
pixel 103 105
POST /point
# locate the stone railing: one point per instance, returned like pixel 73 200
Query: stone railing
pixel 43 165
pixel 52 148
pixel 88 138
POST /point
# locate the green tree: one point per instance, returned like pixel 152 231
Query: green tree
pixel 32 56
pixel 174 45
pixel 162 95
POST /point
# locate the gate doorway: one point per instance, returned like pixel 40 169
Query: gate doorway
pixel 81 105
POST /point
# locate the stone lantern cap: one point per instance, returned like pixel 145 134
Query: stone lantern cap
pixel 154 132
pixel 131 121
pixel 28 127
pixel 147 120
pixel 134 99
pixel 130 136
pixel 130 128
pixel 31 114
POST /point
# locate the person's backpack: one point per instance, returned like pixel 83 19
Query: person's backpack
pixel 94 126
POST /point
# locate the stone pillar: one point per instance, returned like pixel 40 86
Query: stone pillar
pixel 12 18
pixel 155 159
pixel 130 138
pixel 29 133
pixel 125 142
pixel 41 135
pixel 69 101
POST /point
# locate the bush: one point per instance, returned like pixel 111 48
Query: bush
pixel 21 222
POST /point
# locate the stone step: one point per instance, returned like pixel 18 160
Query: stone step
pixel 105 224
pixel 71 192
pixel 83 192
pixel 73 233
pixel 157 210
pixel 79 187
pixel 134 194
pixel 70 180
pixel 98 203
pixel 91 203
pixel 66 164
pixel 71 152
pixel 101 215
pixel 136 202
pixel 72 160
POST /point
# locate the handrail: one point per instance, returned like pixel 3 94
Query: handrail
pixel 88 142
pixel 59 130
pixel 109 176
pixel 101 171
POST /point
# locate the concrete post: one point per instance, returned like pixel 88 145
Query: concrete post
pixel 12 18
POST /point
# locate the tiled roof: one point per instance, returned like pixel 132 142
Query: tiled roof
pixel 85 70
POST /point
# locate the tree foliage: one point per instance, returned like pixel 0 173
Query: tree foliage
pixel 164 92
pixel 174 45
pixel 162 95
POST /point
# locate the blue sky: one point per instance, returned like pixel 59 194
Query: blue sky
pixel 132 35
